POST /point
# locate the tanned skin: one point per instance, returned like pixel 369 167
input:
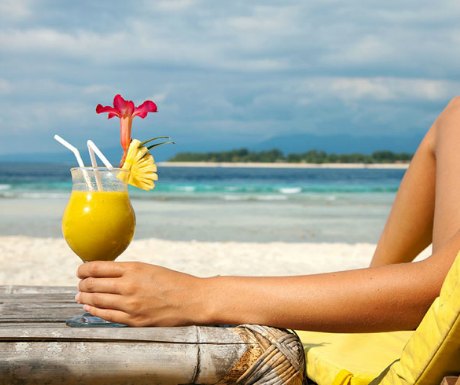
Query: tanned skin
pixel 392 294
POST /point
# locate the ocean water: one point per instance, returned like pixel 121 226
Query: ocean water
pixel 52 180
pixel 218 204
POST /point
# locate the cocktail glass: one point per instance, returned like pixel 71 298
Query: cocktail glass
pixel 98 223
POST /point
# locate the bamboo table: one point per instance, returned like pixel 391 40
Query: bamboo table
pixel 36 347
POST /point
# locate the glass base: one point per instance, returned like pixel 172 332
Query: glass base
pixel 88 320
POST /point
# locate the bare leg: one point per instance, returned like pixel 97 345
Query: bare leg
pixel 409 227
pixel 426 208
pixel 447 152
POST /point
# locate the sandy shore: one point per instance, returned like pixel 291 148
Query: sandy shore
pixel 286 165
pixel 49 261
pixel 316 220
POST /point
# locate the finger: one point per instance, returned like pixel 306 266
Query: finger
pixel 100 269
pixel 108 314
pixel 99 285
pixel 100 300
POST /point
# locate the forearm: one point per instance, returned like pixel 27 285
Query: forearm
pixel 391 297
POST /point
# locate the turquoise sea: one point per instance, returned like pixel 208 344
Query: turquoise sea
pixel 50 180
pixel 218 204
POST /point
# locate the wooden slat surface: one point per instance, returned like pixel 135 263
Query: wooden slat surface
pixel 36 347
pixel 31 313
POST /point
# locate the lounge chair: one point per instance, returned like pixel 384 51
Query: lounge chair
pixel 420 357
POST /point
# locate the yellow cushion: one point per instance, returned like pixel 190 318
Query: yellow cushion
pixel 431 352
pixel 354 358
pixel 434 349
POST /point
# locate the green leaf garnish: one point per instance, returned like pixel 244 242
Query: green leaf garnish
pixel 159 144
pixel 150 140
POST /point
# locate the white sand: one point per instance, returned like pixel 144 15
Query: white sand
pixel 401 165
pixel 49 261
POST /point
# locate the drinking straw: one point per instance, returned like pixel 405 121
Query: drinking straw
pixel 99 153
pixel 78 156
pixel 71 148
pixel 94 164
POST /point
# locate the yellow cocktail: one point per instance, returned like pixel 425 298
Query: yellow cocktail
pixel 98 225
pixel 98 222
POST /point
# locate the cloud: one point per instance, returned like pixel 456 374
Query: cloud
pixel 387 89
pixel 50 41
pixel 240 70
pixel 170 5
pixel 97 89
pixel 263 36
pixel 15 10
pixel 5 86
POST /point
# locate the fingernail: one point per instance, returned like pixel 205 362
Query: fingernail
pixel 77 297
pixel 85 307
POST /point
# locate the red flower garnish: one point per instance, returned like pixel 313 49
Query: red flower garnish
pixel 126 111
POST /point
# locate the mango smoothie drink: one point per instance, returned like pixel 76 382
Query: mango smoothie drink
pixel 98 222
pixel 98 225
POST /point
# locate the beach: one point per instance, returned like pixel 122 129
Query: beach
pixel 400 165
pixel 49 261
pixel 206 221
pixel 339 218
pixel 200 238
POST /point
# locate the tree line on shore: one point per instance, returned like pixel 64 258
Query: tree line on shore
pixel 244 155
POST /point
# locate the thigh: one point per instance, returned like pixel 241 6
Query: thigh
pixel 447 153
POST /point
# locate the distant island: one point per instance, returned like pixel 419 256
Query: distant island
pixel 244 155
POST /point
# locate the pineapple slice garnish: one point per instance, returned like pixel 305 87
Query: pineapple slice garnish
pixel 141 166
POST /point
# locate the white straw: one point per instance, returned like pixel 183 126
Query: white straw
pixel 71 148
pixel 77 155
pixel 94 164
pixel 99 153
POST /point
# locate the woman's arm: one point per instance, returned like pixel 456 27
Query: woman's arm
pixel 393 294
pixel 389 297
pixel 393 297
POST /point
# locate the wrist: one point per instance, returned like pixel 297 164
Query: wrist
pixel 211 306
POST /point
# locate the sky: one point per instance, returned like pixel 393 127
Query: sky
pixel 224 73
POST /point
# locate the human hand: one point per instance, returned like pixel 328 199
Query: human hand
pixel 140 294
